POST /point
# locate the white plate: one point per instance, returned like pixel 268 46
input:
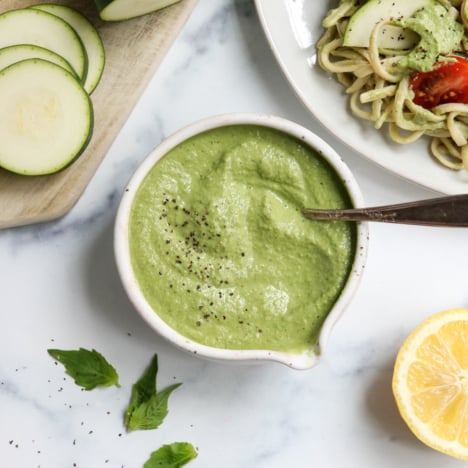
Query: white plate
pixel 293 28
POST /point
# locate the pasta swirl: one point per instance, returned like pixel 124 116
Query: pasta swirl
pixel 379 88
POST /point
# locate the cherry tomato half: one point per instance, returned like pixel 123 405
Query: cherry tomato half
pixel 448 83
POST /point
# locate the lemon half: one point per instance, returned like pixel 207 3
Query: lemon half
pixel 430 382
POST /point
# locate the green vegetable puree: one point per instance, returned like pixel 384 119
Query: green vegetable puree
pixel 440 34
pixel 221 249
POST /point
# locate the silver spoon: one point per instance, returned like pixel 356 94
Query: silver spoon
pixel 442 211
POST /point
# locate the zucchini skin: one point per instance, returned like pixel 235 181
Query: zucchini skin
pixel 103 5
pixel 86 142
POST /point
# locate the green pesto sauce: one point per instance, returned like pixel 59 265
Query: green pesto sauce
pixel 221 250
pixel 440 34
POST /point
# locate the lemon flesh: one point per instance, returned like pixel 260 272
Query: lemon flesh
pixel 430 382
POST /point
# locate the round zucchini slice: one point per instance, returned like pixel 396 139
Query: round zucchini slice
pixel 16 53
pixel 89 36
pixel 30 26
pixel 46 117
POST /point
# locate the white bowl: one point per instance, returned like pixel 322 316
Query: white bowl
pixel 304 360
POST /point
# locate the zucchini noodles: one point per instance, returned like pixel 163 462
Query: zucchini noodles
pixel 379 88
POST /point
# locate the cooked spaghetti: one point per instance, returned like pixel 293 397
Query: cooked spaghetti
pixel 380 82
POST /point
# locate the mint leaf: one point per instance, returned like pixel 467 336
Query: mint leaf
pixel 172 456
pixel 143 389
pixel 151 413
pixel 89 369
pixel 147 408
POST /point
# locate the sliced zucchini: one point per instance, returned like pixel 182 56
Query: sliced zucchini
pixel 118 10
pixel 363 21
pixel 46 117
pixel 15 53
pixel 89 37
pixel 29 26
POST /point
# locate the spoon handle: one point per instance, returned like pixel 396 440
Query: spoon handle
pixel 443 211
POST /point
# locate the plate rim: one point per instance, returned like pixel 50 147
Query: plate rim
pixel 447 181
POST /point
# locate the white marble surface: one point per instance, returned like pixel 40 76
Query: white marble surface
pixel 59 288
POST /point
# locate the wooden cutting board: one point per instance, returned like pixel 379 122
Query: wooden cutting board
pixel 134 49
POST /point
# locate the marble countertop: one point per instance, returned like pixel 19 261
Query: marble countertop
pixel 60 289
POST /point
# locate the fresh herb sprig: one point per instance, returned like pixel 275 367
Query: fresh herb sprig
pixel 148 407
pixel 89 369
pixel 174 455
